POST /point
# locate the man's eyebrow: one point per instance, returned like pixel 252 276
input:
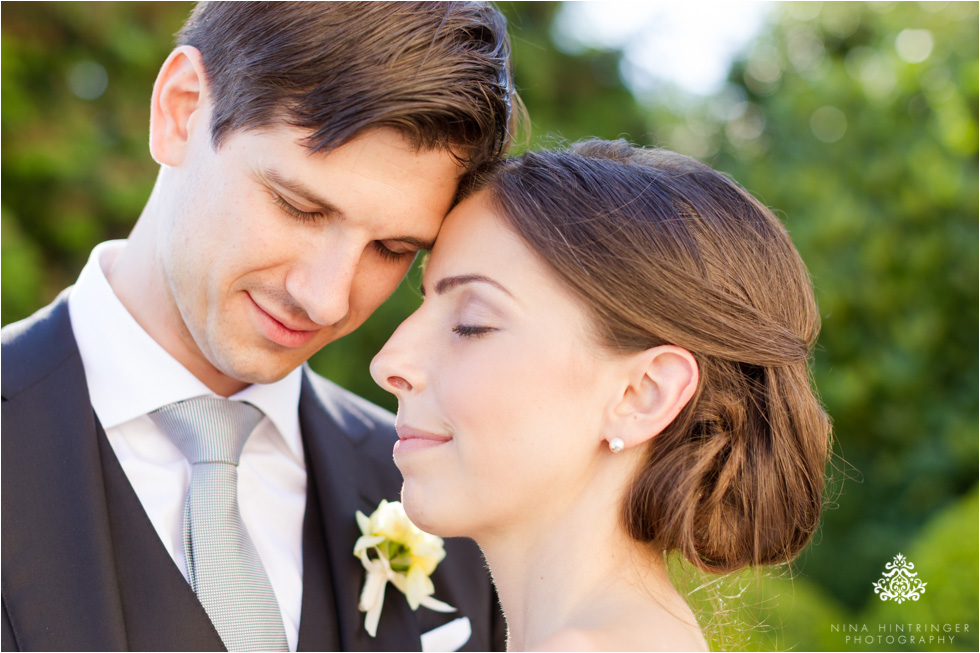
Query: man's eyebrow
pixel 448 283
pixel 298 188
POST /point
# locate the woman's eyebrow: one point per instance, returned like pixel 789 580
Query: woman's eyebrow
pixel 448 283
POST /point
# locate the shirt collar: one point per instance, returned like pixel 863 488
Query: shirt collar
pixel 117 354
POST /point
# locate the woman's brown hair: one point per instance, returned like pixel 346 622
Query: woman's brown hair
pixel 664 250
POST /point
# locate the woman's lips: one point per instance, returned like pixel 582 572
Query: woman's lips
pixel 412 439
pixel 278 332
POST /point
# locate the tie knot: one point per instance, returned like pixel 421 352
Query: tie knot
pixel 208 429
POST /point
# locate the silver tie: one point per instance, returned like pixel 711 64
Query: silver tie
pixel 223 566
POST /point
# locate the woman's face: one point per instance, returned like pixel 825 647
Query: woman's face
pixel 502 388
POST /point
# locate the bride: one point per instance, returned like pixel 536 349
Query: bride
pixel 610 364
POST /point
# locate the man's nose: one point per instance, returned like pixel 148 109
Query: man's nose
pixel 322 283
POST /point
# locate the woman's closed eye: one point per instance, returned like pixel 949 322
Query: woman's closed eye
pixel 472 330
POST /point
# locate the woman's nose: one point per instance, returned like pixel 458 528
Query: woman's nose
pixel 393 368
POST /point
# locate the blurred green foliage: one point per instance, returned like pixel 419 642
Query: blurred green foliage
pixel 857 122
pixel 777 610
pixel 76 170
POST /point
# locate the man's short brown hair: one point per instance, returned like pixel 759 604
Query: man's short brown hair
pixel 435 71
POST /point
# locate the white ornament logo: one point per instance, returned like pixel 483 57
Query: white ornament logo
pixel 899 582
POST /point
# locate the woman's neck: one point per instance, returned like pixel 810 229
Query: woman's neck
pixel 573 570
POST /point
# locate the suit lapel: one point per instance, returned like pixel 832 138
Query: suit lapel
pixel 54 501
pixel 319 629
pixel 83 567
pixel 344 480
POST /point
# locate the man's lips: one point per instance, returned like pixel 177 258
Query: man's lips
pixel 282 333
pixel 412 439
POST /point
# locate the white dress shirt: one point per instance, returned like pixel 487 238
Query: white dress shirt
pixel 129 375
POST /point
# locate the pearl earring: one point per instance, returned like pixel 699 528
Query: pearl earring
pixel 616 445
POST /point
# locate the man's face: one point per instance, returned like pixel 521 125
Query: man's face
pixel 270 251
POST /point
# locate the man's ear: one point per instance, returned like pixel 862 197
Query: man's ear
pixel 661 382
pixel 179 95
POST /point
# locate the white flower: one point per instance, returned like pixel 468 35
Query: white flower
pixel 393 549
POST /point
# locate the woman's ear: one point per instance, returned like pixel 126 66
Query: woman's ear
pixel 179 93
pixel 660 383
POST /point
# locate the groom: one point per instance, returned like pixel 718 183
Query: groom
pixel 307 152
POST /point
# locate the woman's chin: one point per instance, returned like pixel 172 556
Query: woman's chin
pixel 428 512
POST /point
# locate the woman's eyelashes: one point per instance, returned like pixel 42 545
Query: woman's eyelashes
pixel 467 311
pixel 472 330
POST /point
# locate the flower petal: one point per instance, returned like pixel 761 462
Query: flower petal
pixel 372 617
pixel 436 604
pixel 363 522
pixel 418 586
pixel 366 542
pixel 373 592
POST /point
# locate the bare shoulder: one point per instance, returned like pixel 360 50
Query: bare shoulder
pixel 572 639
pixel 629 637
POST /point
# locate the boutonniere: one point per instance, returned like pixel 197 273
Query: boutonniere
pixel 394 550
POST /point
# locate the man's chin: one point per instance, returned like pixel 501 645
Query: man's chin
pixel 250 370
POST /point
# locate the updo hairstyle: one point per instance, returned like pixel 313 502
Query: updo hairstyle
pixel 662 249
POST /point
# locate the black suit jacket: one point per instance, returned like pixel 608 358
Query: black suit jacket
pixel 83 568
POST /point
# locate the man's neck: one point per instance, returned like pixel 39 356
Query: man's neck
pixel 135 277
